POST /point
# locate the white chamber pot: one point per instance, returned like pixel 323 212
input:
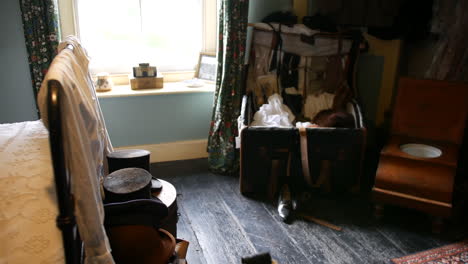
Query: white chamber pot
pixel 421 150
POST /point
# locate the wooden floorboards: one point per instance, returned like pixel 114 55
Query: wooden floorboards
pixel 222 225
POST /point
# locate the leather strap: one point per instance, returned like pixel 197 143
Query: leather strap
pixel 325 165
pixel 305 156
pixel 306 80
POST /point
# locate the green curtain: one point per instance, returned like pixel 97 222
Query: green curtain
pixel 232 29
pixel 41 32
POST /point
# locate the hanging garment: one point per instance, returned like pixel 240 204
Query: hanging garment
pixel 317 103
pixel 266 86
pixel 289 79
pixel 334 73
pixel 314 74
pixel 259 79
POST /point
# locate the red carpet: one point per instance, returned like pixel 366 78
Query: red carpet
pixel 451 254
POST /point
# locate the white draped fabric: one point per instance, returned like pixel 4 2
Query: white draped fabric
pixel 86 144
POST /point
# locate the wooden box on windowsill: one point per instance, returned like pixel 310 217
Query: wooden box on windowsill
pixel 147 82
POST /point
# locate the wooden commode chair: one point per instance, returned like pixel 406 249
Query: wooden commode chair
pixel 418 164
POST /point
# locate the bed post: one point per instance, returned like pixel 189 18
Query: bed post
pixel 66 218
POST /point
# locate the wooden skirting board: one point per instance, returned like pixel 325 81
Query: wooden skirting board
pixel 179 150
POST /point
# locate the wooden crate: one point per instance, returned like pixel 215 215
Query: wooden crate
pixel 147 83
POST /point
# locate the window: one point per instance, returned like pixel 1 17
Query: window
pixel 119 34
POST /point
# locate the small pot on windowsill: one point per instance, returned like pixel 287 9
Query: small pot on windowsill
pixel 104 82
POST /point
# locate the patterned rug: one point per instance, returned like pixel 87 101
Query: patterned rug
pixel 452 254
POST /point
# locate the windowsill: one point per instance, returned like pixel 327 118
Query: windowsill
pixel 169 88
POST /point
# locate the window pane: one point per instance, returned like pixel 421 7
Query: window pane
pixel 173 30
pixel 118 34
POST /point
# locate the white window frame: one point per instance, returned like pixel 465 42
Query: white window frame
pixel 69 26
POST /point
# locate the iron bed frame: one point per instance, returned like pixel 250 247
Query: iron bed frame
pixel 73 247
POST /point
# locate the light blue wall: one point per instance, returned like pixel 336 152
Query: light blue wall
pixel 154 119
pixel 17 98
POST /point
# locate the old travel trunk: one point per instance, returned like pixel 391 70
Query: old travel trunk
pixel 298 68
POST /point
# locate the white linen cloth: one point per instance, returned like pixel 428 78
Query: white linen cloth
pixel 86 144
pixel 303 124
pixel 28 200
pixel 275 113
pixel 316 103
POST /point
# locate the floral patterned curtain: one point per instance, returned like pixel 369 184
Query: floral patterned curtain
pixel 232 29
pixel 41 32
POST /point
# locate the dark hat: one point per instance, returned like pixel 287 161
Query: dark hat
pixel 127 184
